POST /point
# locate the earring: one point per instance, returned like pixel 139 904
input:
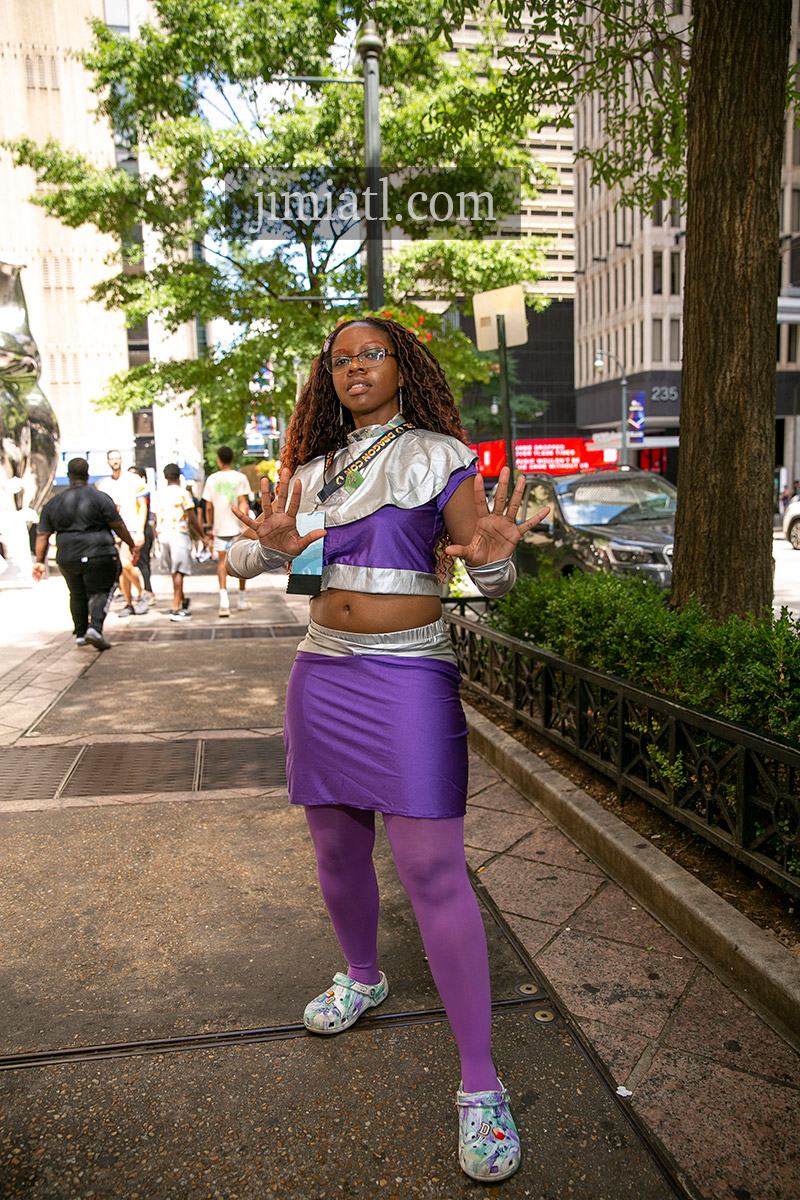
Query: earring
pixel 400 399
pixel 341 414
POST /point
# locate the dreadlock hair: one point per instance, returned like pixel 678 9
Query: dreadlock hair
pixel 428 402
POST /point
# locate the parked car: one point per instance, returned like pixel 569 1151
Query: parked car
pixel 791 523
pixel 616 521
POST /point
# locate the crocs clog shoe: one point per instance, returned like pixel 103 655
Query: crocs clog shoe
pixel 488 1142
pixel 342 1005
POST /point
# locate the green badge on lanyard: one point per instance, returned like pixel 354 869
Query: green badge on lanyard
pixel 352 480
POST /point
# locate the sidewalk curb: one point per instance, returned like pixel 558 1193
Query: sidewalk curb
pixel 762 972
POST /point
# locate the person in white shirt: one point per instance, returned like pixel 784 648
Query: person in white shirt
pixel 224 490
pixel 123 490
pixel 175 519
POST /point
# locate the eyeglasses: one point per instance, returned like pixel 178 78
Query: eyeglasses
pixel 367 358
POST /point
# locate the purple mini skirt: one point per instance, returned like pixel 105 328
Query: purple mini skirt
pixel 384 733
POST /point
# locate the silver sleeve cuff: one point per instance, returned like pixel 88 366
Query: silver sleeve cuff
pixel 248 558
pixel 494 579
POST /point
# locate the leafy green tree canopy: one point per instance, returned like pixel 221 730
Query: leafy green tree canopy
pixel 686 101
pixel 203 129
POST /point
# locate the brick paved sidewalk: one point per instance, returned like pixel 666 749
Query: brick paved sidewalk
pixel 714 1084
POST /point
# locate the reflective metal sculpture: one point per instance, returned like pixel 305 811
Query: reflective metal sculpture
pixel 28 432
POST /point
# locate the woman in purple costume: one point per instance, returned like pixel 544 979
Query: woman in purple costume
pixel 374 722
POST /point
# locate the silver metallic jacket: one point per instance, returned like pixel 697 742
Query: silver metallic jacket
pixel 410 473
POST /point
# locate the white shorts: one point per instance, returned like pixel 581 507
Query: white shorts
pixel 224 543
pixel 176 554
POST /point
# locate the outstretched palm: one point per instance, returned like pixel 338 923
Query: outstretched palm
pixel 496 531
pixel 276 528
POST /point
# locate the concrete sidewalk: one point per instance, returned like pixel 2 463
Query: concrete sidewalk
pixel 160 895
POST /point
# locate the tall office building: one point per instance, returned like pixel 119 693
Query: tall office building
pixel 46 94
pixel 544 367
pixel 629 299
pixel 550 214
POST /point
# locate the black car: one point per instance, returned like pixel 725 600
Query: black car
pixel 617 521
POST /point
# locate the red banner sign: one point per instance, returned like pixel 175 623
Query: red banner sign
pixel 565 456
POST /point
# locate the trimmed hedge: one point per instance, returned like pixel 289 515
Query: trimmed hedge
pixel 743 670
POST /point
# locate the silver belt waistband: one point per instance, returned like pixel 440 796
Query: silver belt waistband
pixel 427 641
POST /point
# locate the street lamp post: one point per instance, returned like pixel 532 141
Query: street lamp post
pixel 369 47
pixel 623 429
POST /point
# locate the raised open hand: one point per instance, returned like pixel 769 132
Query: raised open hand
pixel 496 532
pixel 276 528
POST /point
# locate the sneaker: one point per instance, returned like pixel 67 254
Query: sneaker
pixel 224 610
pixel 141 606
pixel 95 638
pixel 180 615
pixel 343 1004
pixel 149 597
pixel 127 611
pixel 186 604
pixel 488 1142
pixel 242 605
pixel 80 640
pixel 203 555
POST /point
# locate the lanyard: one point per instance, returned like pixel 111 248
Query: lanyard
pixel 352 475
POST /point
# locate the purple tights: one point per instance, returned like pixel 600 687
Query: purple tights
pixel 429 856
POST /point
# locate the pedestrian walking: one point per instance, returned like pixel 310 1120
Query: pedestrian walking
pixel 176 522
pixel 374 723
pixel 225 489
pixel 144 509
pixel 84 521
pixel 123 489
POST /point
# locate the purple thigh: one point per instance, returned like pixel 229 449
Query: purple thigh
pixel 378 732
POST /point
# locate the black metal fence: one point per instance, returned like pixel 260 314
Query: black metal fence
pixel 735 788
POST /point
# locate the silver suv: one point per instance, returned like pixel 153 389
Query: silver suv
pixel 791 523
pixel 617 521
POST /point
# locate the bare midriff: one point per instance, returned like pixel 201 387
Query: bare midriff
pixel 366 612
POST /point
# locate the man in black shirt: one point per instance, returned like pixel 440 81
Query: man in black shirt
pixel 83 520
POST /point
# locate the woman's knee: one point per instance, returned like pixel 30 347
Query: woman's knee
pixel 433 879
pixel 429 856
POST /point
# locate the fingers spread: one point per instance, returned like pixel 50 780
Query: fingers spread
pixel 516 498
pixel 308 538
pixel 480 496
pixel 294 499
pixel 501 492
pixel 535 519
pixel 282 491
pixel 242 516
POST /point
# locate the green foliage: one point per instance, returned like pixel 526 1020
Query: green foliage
pixel 191 97
pixel 460 267
pixel 630 55
pixel 745 670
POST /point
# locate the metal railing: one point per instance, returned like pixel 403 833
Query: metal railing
pixel 467 606
pixel 737 789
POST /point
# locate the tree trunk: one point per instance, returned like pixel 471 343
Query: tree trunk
pixel 735 132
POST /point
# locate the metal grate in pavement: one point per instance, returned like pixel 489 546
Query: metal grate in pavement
pixel 243 762
pixel 34 774
pixel 128 768
pixel 135 768
pixel 209 633
pixel 249 631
